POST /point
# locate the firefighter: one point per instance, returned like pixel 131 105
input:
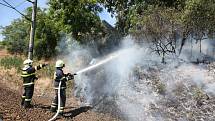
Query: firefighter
pixel 60 76
pixel 28 75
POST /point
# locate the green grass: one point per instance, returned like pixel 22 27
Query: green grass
pixel 17 63
pixel 11 62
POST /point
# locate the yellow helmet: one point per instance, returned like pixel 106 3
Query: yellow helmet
pixel 59 63
pixel 28 62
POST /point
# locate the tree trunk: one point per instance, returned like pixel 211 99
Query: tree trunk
pixel 200 46
pixel 163 57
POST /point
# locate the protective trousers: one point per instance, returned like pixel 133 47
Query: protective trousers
pixel 54 104
pixel 27 96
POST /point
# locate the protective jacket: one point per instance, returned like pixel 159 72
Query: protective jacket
pixel 60 76
pixel 28 74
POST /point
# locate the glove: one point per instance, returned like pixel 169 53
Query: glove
pixel 68 74
pixel 45 64
pixel 70 77
pixel 35 78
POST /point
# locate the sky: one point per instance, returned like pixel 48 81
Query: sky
pixel 7 15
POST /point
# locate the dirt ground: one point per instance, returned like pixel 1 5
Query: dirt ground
pixel 10 109
pixel 10 99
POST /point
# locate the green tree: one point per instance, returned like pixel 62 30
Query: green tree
pixel 46 37
pixel 16 36
pixel 119 9
pixel 164 22
pixel 124 9
pixel 198 20
pixel 79 17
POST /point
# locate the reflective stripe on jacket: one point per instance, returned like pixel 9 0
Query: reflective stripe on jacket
pixel 28 74
pixel 25 74
pixel 59 76
pixel 27 84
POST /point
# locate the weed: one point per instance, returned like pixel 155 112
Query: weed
pixel 11 62
pixel 47 71
pixel 198 94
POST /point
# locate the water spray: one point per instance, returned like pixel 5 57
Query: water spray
pixel 104 61
pixel 111 57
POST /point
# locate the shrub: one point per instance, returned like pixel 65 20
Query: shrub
pixel 47 71
pixel 11 62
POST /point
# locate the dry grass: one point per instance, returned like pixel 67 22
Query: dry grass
pixel 4 53
pixel 10 78
pixel 43 86
pixel 10 71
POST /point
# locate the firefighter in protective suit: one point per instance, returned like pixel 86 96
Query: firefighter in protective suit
pixel 29 76
pixel 60 76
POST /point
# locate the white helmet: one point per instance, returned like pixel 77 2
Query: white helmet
pixel 28 62
pixel 59 63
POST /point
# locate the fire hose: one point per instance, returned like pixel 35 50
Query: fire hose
pixel 82 71
pixel 58 107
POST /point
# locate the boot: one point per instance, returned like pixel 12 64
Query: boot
pixel 22 101
pixel 27 104
pixel 53 109
pixel 60 113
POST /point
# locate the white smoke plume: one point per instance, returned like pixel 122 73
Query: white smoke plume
pixel 133 84
pixel 191 50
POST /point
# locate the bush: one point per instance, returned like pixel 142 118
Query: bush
pixel 11 62
pixel 47 71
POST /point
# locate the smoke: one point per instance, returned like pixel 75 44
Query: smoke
pixel 195 50
pixel 113 87
pixel 75 55
pixel 134 85
pixel 133 97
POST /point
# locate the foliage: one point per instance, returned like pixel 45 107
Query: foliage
pixel 79 17
pixel 158 26
pixel 16 36
pixel 46 37
pixel 124 9
pixel 10 62
pixel 119 8
pixel 2 45
pixel 164 23
pixel 48 71
pixel 199 94
pixel 200 15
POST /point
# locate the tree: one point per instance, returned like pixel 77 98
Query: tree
pixel 46 37
pixel 16 36
pixel 157 25
pixel 120 9
pixel 79 17
pixel 168 22
pixel 198 17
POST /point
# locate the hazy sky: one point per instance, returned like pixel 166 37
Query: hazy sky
pixel 7 15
